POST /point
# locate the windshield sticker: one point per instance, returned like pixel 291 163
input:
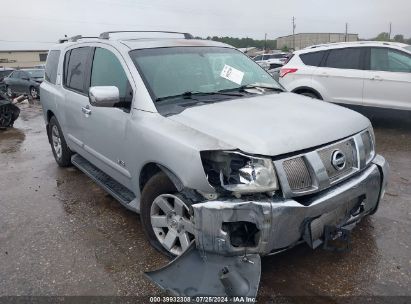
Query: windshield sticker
pixel 232 74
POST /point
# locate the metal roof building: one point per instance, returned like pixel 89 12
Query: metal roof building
pixel 303 40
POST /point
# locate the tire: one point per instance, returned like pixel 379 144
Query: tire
pixel 159 187
pixel 34 93
pixel 62 153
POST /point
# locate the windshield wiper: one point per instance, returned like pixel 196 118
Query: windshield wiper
pixel 255 86
pixel 190 94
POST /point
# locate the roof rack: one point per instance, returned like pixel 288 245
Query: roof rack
pixel 74 38
pixel 106 35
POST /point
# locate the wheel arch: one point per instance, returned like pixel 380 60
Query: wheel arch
pixel 49 115
pixel 152 168
pixel 303 89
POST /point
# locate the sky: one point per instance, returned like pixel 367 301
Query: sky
pixel 26 23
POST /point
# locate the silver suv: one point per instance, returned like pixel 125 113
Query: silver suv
pixel 222 163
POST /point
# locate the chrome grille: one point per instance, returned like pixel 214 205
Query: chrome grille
pixel 348 148
pixel 297 173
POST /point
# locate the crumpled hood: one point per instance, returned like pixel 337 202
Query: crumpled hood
pixel 273 124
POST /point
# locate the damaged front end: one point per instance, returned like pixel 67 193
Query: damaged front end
pixel 252 216
pixel 8 112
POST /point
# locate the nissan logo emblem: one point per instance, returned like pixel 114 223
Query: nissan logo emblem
pixel 338 160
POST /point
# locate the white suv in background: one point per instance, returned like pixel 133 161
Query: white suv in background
pixel 376 74
pixel 271 61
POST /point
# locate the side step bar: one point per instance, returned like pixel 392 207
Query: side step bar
pixel 118 191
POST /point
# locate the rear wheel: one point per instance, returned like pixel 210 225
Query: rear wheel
pixel 165 217
pixel 62 153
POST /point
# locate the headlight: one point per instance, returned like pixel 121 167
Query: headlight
pixel 240 173
pixel 368 140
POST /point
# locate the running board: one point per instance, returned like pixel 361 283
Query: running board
pixel 116 190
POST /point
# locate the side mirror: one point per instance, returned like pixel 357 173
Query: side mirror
pixel 25 78
pixel 104 96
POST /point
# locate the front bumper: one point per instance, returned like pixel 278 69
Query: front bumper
pixel 282 223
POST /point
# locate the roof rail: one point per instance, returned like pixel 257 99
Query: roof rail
pixel 74 38
pixel 106 35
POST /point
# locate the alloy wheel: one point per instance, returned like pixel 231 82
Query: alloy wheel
pixel 170 220
pixel 56 140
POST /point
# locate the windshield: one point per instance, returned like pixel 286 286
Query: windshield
pixel 5 73
pixel 36 73
pixel 177 70
pixel 408 48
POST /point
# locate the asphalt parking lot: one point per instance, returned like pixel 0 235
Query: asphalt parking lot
pixel 61 234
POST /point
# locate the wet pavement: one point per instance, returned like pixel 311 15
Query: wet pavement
pixel 61 234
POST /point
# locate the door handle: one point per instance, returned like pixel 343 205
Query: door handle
pixel 86 110
pixel 324 74
pixel 376 77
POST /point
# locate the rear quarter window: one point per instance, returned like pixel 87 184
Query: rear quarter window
pixel 312 59
pixel 51 66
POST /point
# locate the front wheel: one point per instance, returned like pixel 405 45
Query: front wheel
pixel 9 92
pixel 34 93
pixel 166 217
pixel 62 153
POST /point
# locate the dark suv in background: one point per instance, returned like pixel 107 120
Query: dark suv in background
pixel 24 82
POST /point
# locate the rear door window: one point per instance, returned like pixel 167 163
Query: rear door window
pixel 312 59
pixel 75 74
pixel 51 66
pixel 348 58
pixel 384 59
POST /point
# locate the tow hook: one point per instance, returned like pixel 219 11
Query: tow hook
pixel 337 239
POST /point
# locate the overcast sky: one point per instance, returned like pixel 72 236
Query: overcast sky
pixel 47 20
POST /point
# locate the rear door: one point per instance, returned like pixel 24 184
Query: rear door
pixel 388 79
pixel 24 82
pixel 341 75
pixel 76 102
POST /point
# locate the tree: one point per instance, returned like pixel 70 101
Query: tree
pixel 246 42
pixel 285 49
pixel 399 38
pixel 382 37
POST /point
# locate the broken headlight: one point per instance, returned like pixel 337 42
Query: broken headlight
pixel 239 173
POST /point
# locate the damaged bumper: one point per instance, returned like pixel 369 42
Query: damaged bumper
pixel 231 235
pixel 226 227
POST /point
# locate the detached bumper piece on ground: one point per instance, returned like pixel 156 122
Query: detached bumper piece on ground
pixel 8 112
pixel 232 235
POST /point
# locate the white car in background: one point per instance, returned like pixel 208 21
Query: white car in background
pixel 376 74
pixel 271 61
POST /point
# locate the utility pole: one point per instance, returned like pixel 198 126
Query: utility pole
pixel 294 25
pixel 265 43
pixel 389 33
pixel 346 32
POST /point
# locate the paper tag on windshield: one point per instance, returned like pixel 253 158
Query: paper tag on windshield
pixel 232 74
